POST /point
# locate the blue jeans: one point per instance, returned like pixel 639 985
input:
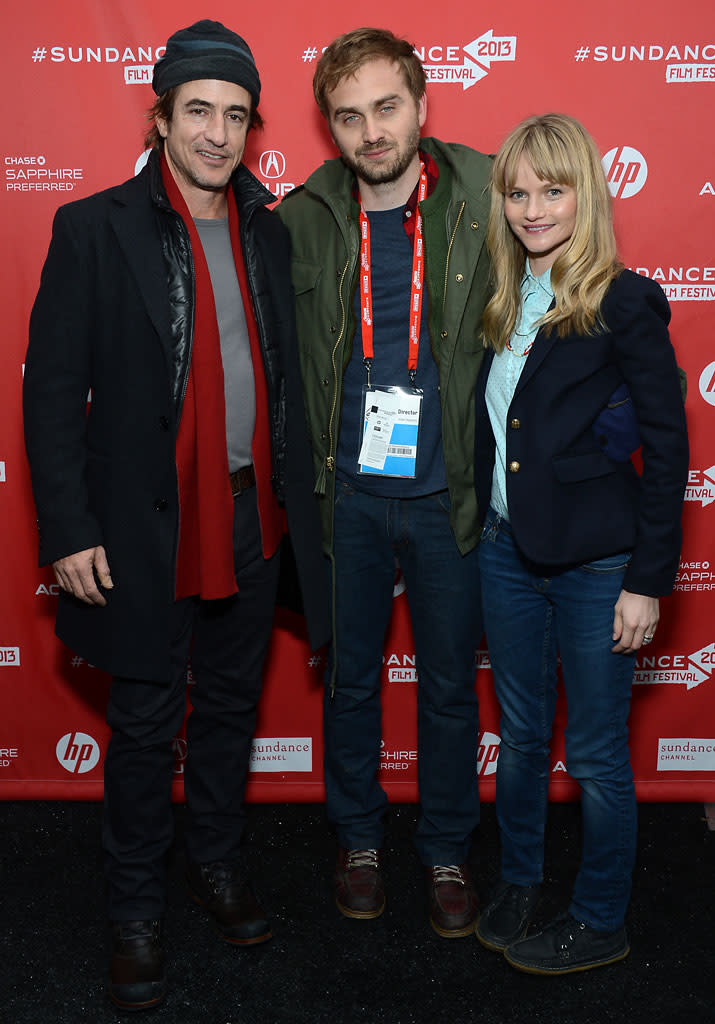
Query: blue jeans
pixel 529 619
pixel 443 596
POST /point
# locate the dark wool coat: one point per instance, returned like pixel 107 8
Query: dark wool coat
pixel 105 319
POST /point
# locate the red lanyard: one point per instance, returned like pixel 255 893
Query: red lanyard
pixel 415 286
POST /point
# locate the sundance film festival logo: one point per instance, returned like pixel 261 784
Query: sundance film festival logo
pixel 77 752
pixel 685 63
pixel 686 754
pixel 701 486
pixel 683 284
pixel 626 171
pixel 138 61
pixel 272 166
pixel 689 670
pixel 445 64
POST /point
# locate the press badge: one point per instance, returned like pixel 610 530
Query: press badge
pixel 391 424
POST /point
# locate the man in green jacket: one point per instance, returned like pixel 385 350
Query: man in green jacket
pixel 390 272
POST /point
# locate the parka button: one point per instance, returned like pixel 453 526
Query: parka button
pixel 333 328
pixel 326 381
pixel 475 225
pixel 515 424
pixel 323 436
pixel 443 334
pixel 160 504
pixel 459 277
pixel 514 467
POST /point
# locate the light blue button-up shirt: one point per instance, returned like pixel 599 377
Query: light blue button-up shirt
pixel 536 297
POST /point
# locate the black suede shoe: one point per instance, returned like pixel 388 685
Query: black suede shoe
pixel 506 917
pixel 222 890
pixel 136 975
pixel 565 946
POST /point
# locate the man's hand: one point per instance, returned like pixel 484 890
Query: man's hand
pixel 635 621
pixel 76 574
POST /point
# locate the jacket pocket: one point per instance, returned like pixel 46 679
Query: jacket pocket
pixel 305 276
pixel 570 469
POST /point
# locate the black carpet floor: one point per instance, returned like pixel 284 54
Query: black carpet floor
pixel 321 968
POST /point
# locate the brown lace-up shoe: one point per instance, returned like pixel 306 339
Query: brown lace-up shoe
pixel 222 890
pixel 136 976
pixel 359 889
pixel 452 900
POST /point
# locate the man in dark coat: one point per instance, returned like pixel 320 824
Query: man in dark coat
pixel 162 502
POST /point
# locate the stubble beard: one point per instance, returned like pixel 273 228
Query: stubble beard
pixel 374 175
pixel 194 177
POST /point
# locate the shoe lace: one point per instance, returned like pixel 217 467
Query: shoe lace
pixel 566 930
pixel 221 874
pixel 362 859
pixel 448 873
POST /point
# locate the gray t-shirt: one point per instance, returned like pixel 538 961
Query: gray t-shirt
pixel 239 385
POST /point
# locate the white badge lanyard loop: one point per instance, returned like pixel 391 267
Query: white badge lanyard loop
pixel 415 287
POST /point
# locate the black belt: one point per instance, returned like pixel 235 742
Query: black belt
pixel 242 480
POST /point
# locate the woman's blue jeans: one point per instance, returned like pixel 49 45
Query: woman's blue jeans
pixel 530 620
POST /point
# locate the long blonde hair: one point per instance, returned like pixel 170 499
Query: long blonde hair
pixel 559 150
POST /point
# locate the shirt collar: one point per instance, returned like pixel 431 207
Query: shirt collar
pixel 541 282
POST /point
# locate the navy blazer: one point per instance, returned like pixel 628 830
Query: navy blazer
pixel 569 503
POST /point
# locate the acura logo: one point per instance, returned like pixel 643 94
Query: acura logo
pixel 272 164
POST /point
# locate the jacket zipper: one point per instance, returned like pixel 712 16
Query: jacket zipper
pixel 449 253
pixel 329 464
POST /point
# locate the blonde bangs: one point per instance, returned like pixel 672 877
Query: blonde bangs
pixel 547 155
pixel 560 151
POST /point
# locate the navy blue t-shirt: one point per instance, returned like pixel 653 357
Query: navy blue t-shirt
pixel 391 263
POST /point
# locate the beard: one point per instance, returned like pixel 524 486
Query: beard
pixel 389 170
pixel 193 174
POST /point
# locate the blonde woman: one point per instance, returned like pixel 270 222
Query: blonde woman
pixel 576 546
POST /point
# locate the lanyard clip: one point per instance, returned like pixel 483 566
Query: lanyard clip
pixel 368 367
pixel 413 377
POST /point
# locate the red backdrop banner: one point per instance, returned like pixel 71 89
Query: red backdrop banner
pixel 642 79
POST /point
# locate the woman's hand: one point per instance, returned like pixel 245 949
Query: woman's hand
pixel 635 621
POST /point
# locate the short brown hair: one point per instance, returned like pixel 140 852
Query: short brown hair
pixel 163 107
pixel 347 54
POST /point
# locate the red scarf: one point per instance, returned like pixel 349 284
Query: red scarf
pixel 204 564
